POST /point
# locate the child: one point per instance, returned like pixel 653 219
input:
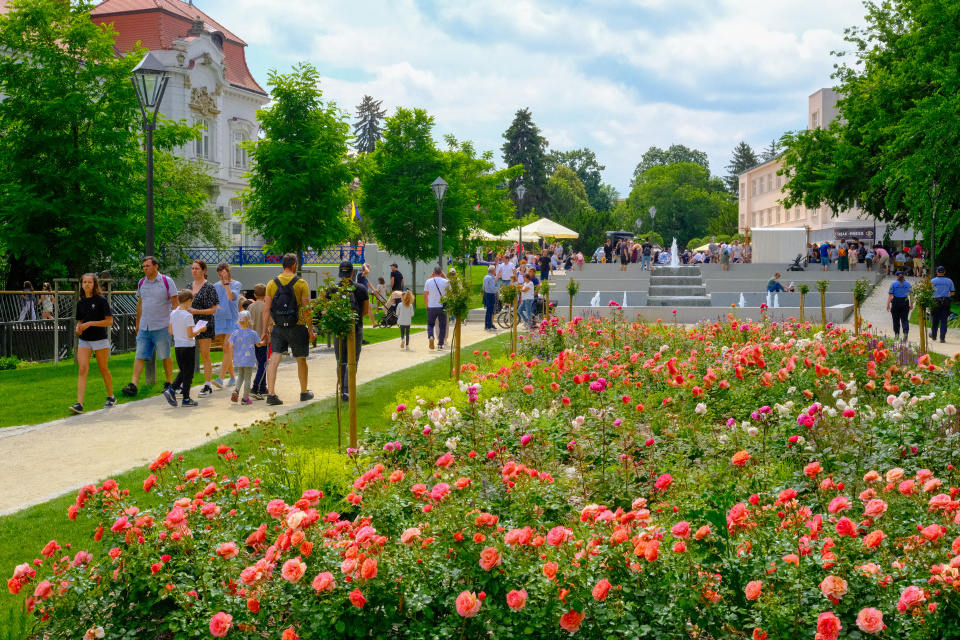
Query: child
pixel 184 348
pixel 256 315
pixel 244 341
pixel 94 317
pixel 405 318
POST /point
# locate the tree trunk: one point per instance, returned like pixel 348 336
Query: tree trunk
pixel 413 280
pixel 513 327
pixel 856 317
pixel 923 329
pixel 546 312
pixel 570 319
pixel 456 350
pixel 823 308
pixel 802 296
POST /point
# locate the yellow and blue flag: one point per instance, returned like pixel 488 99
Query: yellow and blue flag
pixel 356 212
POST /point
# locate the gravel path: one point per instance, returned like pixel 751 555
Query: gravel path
pixel 874 311
pixel 44 461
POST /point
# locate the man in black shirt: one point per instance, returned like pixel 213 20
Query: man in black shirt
pixel 396 278
pixel 607 252
pixel 361 306
pixel 544 263
pixel 646 249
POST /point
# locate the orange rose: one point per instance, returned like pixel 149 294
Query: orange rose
pixel 753 589
pixel 870 621
pixel 550 570
pixel 571 621
pixel 833 587
pixel 873 539
pixel 601 589
pixel 740 458
pixel 895 475
pixel 369 569
pixel 490 558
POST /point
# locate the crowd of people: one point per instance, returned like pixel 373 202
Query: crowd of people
pixel 912 259
pixel 627 251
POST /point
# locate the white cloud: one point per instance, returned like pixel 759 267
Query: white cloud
pixel 615 75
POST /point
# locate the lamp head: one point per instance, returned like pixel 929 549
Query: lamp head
pixel 150 80
pixel 439 188
pixel 521 190
pixel 653 212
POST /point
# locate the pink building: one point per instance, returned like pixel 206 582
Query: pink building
pixel 761 192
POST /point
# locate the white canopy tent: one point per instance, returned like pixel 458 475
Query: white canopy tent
pixel 513 235
pixel 545 228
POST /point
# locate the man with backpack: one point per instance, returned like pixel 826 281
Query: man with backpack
pixel 156 299
pixel 287 324
pixel 360 304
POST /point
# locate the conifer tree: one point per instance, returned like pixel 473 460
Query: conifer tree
pixel 367 131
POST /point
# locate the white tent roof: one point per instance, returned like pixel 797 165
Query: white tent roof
pixel 549 229
pixel 513 235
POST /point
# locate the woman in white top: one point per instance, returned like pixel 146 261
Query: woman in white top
pixel 526 299
pixel 405 317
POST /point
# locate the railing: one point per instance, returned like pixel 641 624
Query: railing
pixel 32 340
pixel 240 256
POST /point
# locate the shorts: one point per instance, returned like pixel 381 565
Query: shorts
pixel 296 338
pixel 225 327
pixel 94 345
pixel 725 258
pixel 825 260
pixel 884 260
pixel 147 341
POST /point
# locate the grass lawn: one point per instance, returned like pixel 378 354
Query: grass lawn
pixel 311 432
pixel 915 313
pixel 38 393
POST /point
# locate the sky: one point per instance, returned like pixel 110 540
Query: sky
pixel 617 76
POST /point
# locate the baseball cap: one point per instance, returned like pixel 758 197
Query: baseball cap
pixel 941 269
pixel 346 269
pixel 899 273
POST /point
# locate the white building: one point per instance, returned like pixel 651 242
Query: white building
pixel 209 84
pixel 762 192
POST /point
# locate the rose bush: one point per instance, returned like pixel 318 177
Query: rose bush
pixel 612 478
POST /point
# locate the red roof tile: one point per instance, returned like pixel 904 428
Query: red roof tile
pixel 155 24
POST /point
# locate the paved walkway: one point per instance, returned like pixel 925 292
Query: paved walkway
pixel 874 311
pixel 41 462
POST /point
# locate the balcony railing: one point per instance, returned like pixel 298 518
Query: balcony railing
pixel 240 256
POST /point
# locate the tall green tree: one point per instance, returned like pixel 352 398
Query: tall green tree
pixel 477 197
pixel 656 157
pixel 526 146
pixel 396 182
pixel 584 163
pixel 892 151
pixel 569 205
pixel 69 123
pixel 743 158
pixel 367 130
pixel 298 185
pixel 687 198
pixel 771 152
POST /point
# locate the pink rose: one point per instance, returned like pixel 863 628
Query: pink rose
pixel 753 589
pixel 517 600
pixel 571 621
pixel 357 599
pixel 323 582
pixel 467 604
pixel 220 624
pixel 228 550
pixel 44 590
pixel 277 508
pixel 557 536
pixel 681 530
pixel 601 589
pixel 875 508
pixel 870 620
pixel 911 597
pixel 490 558
pixel 662 483
pixel 293 569
pixel 838 504
pixel 828 626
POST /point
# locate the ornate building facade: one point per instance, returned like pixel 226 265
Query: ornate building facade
pixel 210 84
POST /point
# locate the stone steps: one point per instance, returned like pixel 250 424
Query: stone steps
pixel 677 287
pixel 678 301
pixel 659 290
pixel 688 281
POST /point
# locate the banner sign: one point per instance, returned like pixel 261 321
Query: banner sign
pixel 854 232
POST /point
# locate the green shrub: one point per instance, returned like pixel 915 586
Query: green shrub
pixel 9 363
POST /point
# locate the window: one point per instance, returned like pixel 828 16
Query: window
pixel 769 182
pixel 237 229
pixel 239 155
pixel 743 220
pixel 778 181
pixel 203 146
pixel 756 219
pixel 743 191
pixel 800 213
pixel 815 120
pixel 754 187
pixel 778 215
pixel 814 213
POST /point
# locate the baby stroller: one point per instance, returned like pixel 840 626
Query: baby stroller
pixel 796 266
pixel 389 318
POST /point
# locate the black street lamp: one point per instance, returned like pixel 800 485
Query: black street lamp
pixel 653 214
pixel 150 80
pixel 439 188
pixel 521 191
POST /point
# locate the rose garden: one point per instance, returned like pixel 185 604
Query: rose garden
pixel 610 479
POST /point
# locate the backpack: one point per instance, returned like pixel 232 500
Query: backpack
pixel 166 284
pixel 285 308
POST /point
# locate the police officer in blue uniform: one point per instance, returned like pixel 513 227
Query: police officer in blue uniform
pixel 899 304
pixel 942 290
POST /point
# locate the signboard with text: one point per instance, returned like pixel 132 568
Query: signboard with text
pixel 854 232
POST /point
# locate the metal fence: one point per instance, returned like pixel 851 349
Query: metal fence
pixel 240 256
pixel 33 339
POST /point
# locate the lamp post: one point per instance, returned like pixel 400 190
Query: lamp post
pixel 653 214
pixel 150 80
pixel 439 188
pixel 521 191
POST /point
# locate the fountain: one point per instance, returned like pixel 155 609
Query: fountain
pixel 768 299
pixel 776 301
pixel 674 259
pixel 743 301
pixel 595 300
pixel 624 299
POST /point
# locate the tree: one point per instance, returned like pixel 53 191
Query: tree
pixel 687 198
pixel 743 158
pixel 656 157
pixel 584 163
pixel 397 198
pixel 367 130
pixel 771 151
pixel 525 146
pixel 298 184
pixel 477 199
pixel 568 205
pixel 892 151
pixel 69 124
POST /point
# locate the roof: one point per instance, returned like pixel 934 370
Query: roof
pixel 155 24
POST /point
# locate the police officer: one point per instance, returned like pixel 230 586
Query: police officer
pixel 899 304
pixel 942 290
